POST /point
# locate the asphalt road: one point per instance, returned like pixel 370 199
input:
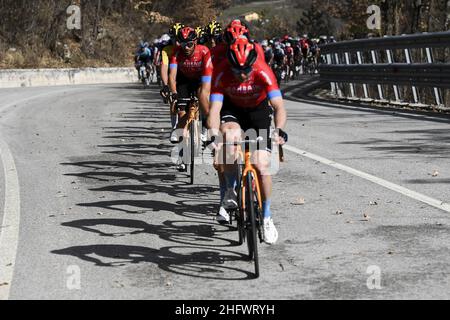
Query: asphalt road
pixel 95 209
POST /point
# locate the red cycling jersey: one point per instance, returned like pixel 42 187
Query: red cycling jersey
pixel 219 53
pixel 196 67
pixel 304 43
pixel 260 85
pixel 289 51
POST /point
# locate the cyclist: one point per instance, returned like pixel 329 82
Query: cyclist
pixel 279 60
pixel 268 52
pixel 289 52
pixel 143 56
pixel 323 40
pixel 190 73
pixel 166 54
pixel 242 88
pixel 201 35
pixel 305 45
pixel 298 56
pixel 214 33
pixel 239 28
pixel 234 30
pixel 315 52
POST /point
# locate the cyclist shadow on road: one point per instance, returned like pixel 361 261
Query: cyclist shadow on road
pixel 197 262
pixel 196 210
pixel 186 232
pixel 134 163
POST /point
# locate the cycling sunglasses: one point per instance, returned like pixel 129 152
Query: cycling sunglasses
pixel 245 71
pixel 188 44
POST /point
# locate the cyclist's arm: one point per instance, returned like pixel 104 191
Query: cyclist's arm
pixel 156 56
pixel 215 107
pixel 165 74
pixel 173 67
pixel 205 89
pixel 203 97
pixel 165 68
pixel 280 112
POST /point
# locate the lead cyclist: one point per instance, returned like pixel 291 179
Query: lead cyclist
pixel 243 90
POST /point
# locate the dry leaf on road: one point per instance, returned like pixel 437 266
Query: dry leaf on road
pixel 299 202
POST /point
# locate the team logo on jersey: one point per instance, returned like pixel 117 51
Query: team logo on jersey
pixel 246 89
pixel 193 64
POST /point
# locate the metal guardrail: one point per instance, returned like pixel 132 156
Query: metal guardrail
pixel 349 63
pixel 411 41
pixel 420 75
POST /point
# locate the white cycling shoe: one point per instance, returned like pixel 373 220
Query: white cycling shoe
pixel 270 232
pixel 223 217
pixel 204 135
pixel 174 137
pixel 181 166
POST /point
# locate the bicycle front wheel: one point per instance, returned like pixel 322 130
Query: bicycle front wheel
pixel 252 242
pixel 240 214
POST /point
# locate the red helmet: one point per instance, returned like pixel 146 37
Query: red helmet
pixel 186 34
pixel 242 53
pixel 236 29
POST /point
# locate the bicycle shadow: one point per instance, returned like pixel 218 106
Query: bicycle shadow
pixel 197 262
pixel 186 232
pixel 201 242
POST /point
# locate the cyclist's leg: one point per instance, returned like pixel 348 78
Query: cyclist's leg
pixel 184 89
pixel 179 107
pixel 227 168
pixel 260 120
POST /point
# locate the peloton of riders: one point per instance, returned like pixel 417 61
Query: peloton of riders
pixel 236 80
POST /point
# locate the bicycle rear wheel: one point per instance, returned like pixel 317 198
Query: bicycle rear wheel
pixel 251 229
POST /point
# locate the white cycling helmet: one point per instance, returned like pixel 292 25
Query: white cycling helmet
pixel 264 43
pixel 288 44
pixel 165 38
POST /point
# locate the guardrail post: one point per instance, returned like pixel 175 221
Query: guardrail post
pixel 414 89
pixel 333 84
pixel 360 62
pixel 339 91
pixel 391 60
pixel 380 87
pixel 352 87
pixel 437 92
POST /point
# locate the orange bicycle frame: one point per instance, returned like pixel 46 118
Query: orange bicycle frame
pixel 249 168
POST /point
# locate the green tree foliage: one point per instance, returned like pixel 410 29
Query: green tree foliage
pixel 315 21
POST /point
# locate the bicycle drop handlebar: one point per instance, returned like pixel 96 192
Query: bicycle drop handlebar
pixel 253 142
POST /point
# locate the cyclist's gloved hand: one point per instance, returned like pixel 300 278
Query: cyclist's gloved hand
pixel 173 97
pixel 165 91
pixel 213 142
pixel 281 136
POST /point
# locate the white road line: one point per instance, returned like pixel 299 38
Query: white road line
pixel 9 232
pixel 384 183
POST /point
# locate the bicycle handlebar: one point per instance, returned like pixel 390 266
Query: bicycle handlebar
pixel 249 142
